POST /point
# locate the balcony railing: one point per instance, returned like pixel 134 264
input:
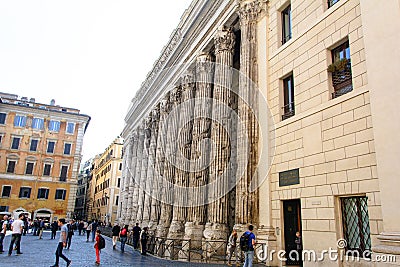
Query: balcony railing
pixel 342 81
pixel 288 111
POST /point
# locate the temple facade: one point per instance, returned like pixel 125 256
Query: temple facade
pixel 268 113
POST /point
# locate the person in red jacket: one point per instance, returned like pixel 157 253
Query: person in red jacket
pixel 96 246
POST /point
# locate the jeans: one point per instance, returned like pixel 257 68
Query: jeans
pixel 15 238
pixel 248 258
pixel 60 254
pixel 123 241
pixel 1 241
pixel 87 235
pixel 93 235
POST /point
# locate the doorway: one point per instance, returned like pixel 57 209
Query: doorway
pixel 292 224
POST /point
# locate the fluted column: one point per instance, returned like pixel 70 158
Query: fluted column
pixel 143 174
pixel 169 169
pixel 150 181
pixel 130 171
pixel 221 132
pixel 125 181
pixel 159 164
pixel 136 180
pixel 184 142
pixel 247 146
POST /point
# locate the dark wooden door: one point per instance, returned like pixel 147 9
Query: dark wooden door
pixel 292 224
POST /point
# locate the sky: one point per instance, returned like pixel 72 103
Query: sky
pixel 91 55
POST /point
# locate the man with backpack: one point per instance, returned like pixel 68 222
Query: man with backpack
pixel 5 225
pixel 247 242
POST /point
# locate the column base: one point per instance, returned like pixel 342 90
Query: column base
pixel 162 231
pixel 215 239
pixel 152 227
pixel 192 241
pixel 176 230
pixel 266 236
pixel 388 248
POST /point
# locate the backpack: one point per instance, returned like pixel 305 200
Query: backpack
pixel 123 232
pixel 102 242
pixel 244 241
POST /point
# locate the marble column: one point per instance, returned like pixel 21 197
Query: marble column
pixel 137 169
pixel 166 191
pixel 200 149
pixel 220 172
pixel 159 164
pixel 150 181
pixel 247 145
pixel 125 180
pixel 182 156
pixel 130 171
pixel 144 168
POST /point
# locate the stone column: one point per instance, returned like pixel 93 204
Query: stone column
pixel 247 145
pixel 184 143
pixel 130 172
pixel 150 181
pixel 125 181
pixel 200 149
pixel 220 172
pixel 144 168
pixel 159 164
pixel 166 192
pixel 136 180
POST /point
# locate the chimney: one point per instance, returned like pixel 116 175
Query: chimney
pixel 52 102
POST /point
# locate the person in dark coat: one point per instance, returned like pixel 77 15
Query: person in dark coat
pixel 115 234
pixel 136 235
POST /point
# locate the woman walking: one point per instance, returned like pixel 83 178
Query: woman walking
pixel 232 247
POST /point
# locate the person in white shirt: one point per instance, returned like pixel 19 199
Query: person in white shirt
pixel 16 227
pixel 3 230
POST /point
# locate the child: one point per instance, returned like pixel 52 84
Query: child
pixel 96 246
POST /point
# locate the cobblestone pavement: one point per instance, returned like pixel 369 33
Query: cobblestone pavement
pixel 41 253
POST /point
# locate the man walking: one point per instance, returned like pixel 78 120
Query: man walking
pixel 4 226
pixel 251 241
pixel 136 234
pixel 17 227
pixel 62 244
pixel 115 233
pixel 70 227
pixel 54 228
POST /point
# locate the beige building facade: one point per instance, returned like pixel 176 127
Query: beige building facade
pixel 105 183
pixel 307 132
pixel 40 155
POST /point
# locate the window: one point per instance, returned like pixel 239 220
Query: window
pixel 332 2
pixel 119 182
pixel 63 174
pixel 120 167
pixel 4 208
pixel 19 121
pixel 67 149
pixel 34 145
pixel 50 146
pixel 15 142
pixel 116 200
pixel 11 166
pixel 60 194
pixel 70 127
pixel 43 193
pixel 47 170
pixel 6 192
pixel 341 70
pixel 286 24
pixel 3 118
pixel 25 192
pixel 29 168
pixel 356 224
pixel 288 97
pixel 54 126
pixel 38 123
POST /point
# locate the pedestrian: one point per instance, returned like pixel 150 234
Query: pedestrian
pixel 85 225
pixel 54 228
pixel 35 227
pixel 80 227
pixel 26 226
pixel 16 227
pixel 123 236
pixel 115 233
pixel 299 248
pixel 4 226
pixel 98 246
pixel 62 244
pixel 143 240
pixel 70 227
pixel 94 228
pixel 41 228
pixel 232 247
pixel 88 230
pixel 249 239
pixel 136 235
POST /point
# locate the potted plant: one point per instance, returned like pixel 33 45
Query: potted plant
pixel 338 65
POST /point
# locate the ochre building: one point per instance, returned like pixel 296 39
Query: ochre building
pixel 40 154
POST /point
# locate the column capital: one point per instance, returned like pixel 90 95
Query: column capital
pixel 224 40
pixel 188 80
pixel 165 104
pixel 204 63
pixel 155 114
pixel 176 95
pixel 249 10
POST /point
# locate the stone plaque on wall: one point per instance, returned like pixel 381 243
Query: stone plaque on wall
pixel 289 177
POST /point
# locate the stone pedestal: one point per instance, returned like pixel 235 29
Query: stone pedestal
pixel 192 242
pixel 215 237
pixel 266 236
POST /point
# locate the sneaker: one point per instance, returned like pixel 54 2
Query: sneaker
pixel 97 263
pixel 114 246
pixel 19 253
pixel 69 263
